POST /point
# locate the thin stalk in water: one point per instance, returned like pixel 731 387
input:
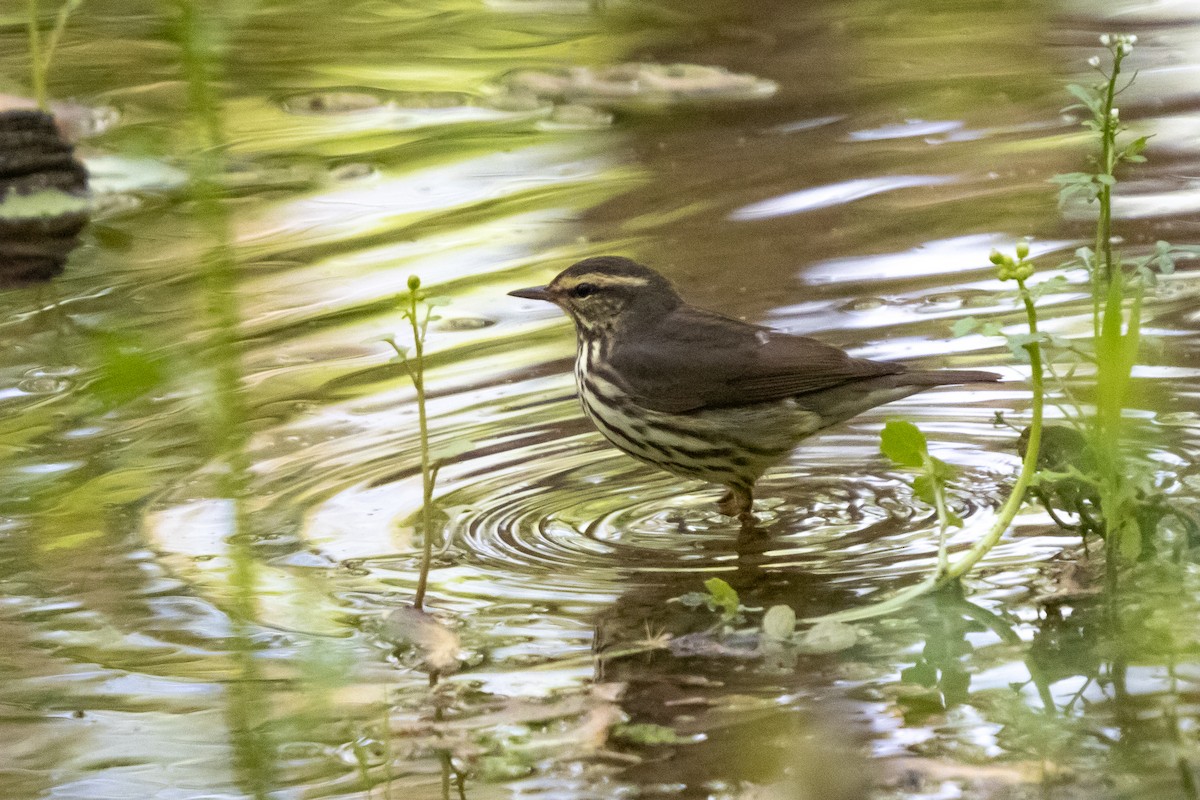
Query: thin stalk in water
pixel 36 63
pixel 419 313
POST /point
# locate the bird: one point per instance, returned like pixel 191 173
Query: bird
pixel 702 395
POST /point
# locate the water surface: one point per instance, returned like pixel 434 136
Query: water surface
pixel 846 177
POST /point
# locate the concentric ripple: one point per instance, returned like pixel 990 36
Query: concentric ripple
pixel 608 514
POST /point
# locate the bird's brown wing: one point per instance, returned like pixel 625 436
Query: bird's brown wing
pixel 693 359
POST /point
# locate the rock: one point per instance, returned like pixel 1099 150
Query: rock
pixel 436 645
pixel 43 205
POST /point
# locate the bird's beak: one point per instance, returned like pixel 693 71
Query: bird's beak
pixel 534 293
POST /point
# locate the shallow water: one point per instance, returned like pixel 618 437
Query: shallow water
pixel 169 637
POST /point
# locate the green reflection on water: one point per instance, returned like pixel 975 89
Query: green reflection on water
pixel 202 40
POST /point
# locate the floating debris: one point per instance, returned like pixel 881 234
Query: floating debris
pixel 828 636
pixel 625 85
pixel 332 102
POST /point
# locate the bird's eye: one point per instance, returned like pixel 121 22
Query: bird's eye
pixel 583 290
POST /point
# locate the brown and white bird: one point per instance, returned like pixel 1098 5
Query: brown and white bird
pixel 702 395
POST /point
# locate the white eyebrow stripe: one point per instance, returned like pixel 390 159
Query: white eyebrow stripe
pixel 608 280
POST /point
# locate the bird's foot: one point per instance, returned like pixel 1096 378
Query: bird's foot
pixel 737 502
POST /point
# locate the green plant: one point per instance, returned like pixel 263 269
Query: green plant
pixel 720 597
pixel 1094 478
pixel 905 445
pixel 39 58
pixel 418 308
pixel 1118 288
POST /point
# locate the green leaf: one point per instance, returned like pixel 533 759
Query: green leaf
pixel 779 623
pixel 1085 95
pixel 923 489
pixel 991 329
pixel 941 470
pixel 1058 283
pixel 723 596
pixel 964 326
pixel 903 443
pixel 1136 146
pixel 1019 343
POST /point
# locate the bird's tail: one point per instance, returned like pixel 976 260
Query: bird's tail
pixel 940 377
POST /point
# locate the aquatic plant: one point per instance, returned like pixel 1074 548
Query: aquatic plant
pixel 717 596
pixel 417 309
pixel 906 446
pixel 39 56
pixel 1118 287
pixel 1098 471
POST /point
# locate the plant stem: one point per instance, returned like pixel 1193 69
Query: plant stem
pixel 1028 466
pixel 1108 136
pixel 60 24
pixel 939 500
pixel 37 66
pixel 1116 349
pixel 418 378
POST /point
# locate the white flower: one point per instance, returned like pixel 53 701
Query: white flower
pixel 1094 61
pixel 1131 38
pixel 1126 48
pixel 1105 39
pixel 1116 113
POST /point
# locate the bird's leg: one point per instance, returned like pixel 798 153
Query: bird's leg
pixel 736 502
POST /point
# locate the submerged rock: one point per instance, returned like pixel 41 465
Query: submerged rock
pixel 435 645
pixel 43 198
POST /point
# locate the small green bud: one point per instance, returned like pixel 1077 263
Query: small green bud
pixel 996 258
pixel 1022 272
pixel 414 283
pixel 1022 250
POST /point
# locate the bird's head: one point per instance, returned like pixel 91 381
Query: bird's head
pixel 607 292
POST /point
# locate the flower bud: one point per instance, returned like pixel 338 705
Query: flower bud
pixel 1094 61
pixel 414 283
pixel 996 257
pixel 1105 39
pixel 1022 250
